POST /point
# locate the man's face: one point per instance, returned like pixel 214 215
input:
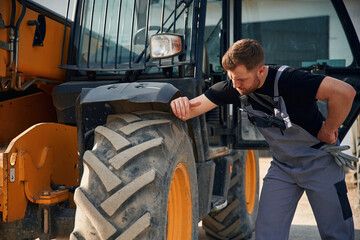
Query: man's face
pixel 244 81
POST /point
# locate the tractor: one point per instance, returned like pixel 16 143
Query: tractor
pixel 89 146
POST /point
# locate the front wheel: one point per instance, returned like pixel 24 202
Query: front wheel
pixel 139 181
pixel 237 220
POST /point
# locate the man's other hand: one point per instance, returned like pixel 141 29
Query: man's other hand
pixel 327 135
pixel 339 96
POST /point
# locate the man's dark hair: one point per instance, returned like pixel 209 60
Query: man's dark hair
pixel 247 52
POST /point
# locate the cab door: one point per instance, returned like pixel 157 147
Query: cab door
pixel 315 36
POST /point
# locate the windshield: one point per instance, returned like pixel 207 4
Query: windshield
pixel 114 35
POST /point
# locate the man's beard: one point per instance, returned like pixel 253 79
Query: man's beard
pixel 251 89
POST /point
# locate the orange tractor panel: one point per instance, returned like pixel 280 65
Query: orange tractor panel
pixel 44 154
pixel 16 115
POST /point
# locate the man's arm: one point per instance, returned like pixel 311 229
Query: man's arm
pixel 185 109
pixel 340 96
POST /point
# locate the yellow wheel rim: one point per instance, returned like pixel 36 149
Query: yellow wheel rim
pixel 179 211
pixel 250 180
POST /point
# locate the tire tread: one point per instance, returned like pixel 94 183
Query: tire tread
pixel 107 177
pixel 223 214
pixel 135 229
pixel 122 158
pixel 116 140
pixel 115 201
pixel 102 226
pixel 133 127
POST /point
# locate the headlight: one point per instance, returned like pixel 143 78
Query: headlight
pixel 165 45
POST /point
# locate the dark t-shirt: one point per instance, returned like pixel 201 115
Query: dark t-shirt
pixel 298 89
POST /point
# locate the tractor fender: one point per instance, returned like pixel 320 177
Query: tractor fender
pixel 136 92
pixel 95 104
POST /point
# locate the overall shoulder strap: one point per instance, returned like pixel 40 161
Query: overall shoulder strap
pixel 281 108
pixel 267 98
pixel 276 82
pixel 253 96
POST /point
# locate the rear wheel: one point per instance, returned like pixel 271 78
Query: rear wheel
pixel 237 220
pixel 139 181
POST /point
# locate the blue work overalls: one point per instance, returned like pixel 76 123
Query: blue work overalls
pixel 298 166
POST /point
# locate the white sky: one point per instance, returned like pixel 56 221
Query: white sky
pixel 59 6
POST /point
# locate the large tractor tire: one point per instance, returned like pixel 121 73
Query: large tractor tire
pixel 237 220
pixel 139 181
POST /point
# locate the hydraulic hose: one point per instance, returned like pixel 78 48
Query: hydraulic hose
pixel 13 11
pixel 21 15
pixel 16 45
pixel 12 34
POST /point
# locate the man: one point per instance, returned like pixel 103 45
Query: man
pixel 302 158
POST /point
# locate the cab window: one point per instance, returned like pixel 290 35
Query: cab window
pixel 308 34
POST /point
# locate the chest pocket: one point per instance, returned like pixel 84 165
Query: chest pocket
pixel 261 120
